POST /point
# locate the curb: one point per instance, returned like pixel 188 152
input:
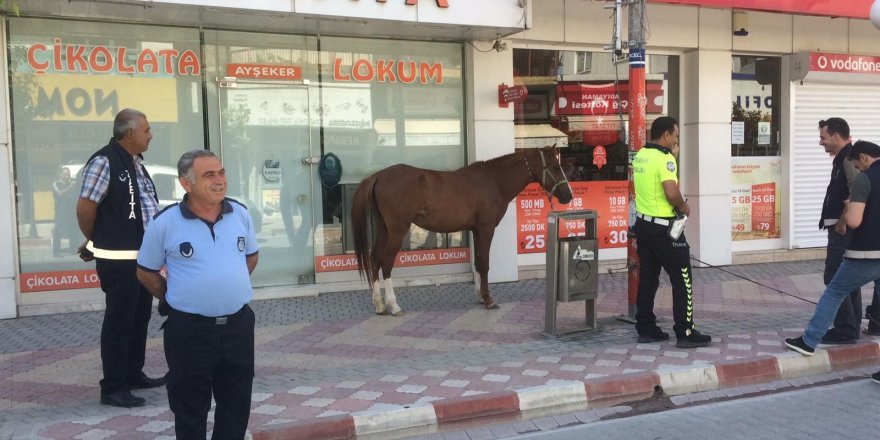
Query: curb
pixel 591 393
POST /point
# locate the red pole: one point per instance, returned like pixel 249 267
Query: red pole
pixel 636 101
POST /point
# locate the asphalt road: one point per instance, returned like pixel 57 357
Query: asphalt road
pixel 847 410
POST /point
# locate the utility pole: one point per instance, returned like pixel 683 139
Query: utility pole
pixel 637 101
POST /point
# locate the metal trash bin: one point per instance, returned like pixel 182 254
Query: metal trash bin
pixel 572 268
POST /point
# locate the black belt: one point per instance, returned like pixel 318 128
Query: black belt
pixel 662 221
pixel 216 320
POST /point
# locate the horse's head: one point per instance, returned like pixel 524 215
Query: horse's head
pixel 550 175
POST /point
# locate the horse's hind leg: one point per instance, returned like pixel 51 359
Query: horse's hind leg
pixel 378 248
pixel 482 242
pixel 389 255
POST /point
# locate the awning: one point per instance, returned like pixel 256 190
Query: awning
pixel 538 136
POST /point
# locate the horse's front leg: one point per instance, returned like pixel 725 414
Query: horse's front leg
pixel 391 299
pixel 482 243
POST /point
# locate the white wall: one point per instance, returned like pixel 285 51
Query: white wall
pixel 492 136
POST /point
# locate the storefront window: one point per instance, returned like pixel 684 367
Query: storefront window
pixel 755 149
pixel 364 104
pixel 578 100
pixel 66 88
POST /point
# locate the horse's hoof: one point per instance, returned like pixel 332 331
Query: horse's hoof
pixel 494 305
pixel 381 312
pixel 398 313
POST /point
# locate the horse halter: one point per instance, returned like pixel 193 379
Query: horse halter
pixel 545 172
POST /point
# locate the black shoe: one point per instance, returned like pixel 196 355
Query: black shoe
pixel 798 345
pixel 692 339
pixel 653 335
pixel 833 337
pixel 122 399
pixel 876 377
pixel 145 382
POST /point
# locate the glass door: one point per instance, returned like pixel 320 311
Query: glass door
pixel 265 143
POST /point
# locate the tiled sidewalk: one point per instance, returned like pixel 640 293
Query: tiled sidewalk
pixel 320 359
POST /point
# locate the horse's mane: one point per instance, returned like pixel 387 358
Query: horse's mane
pixel 496 161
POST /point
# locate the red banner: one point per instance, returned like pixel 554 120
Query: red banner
pixel 336 263
pixel 602 99
pixel 830 8
pixel 607 198
pixel 61 280
pixel 833 62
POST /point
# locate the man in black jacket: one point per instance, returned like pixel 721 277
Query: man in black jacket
pixel 116 201
pixel 834 137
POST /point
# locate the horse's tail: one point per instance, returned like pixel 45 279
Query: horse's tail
pixel 362 206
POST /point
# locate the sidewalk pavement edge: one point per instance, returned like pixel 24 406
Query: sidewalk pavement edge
pixel 593 393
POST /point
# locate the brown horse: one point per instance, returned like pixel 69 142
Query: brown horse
pixel 473 198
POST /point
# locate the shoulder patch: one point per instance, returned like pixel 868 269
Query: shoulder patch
pixel 163 210
pixel 670 165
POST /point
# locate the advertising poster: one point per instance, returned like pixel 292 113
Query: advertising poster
pixel 607 198
pixel 755 202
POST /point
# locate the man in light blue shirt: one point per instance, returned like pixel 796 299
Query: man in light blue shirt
pixel 208 244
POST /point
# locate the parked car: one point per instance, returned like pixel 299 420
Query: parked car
pixel 169 190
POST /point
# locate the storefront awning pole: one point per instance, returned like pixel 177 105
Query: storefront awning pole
pixel 637 101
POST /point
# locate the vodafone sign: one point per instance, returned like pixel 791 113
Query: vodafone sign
pixel 829 62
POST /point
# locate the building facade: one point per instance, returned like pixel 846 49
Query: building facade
pixel 304 98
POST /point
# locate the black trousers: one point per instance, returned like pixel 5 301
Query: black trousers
pixel 124 331
pixel 848 321
pixel 657 251
pixel 206 356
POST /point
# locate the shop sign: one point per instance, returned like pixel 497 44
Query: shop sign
pixel 388 71
pixel 608 198
pixel 337 263
pixel 507 94
pixel 81 58
pixel 272 170
pixel 832 62
pixel 330 170
pixel 61 280
pixel 603 99
pixel 264 71
pixel 99 98
pixel 831 8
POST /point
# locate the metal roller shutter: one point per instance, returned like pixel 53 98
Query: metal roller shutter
pixel 810 165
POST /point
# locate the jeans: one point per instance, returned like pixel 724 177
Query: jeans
pixel 848 320
pixel 851 275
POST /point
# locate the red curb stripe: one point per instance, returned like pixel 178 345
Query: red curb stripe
pixel 339 427
pixel 844 357
pixel 613 390
pixel 451 410
pixel 741 372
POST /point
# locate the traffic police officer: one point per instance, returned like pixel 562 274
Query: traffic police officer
pixel 208 244
pixel 657 200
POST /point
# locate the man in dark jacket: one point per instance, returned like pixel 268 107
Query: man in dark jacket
pixel 117 200
pixel 861 260
pixel 834 137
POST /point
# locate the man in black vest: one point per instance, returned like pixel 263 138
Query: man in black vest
pixel 834 137
pixel 861 261
pixel 117 200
